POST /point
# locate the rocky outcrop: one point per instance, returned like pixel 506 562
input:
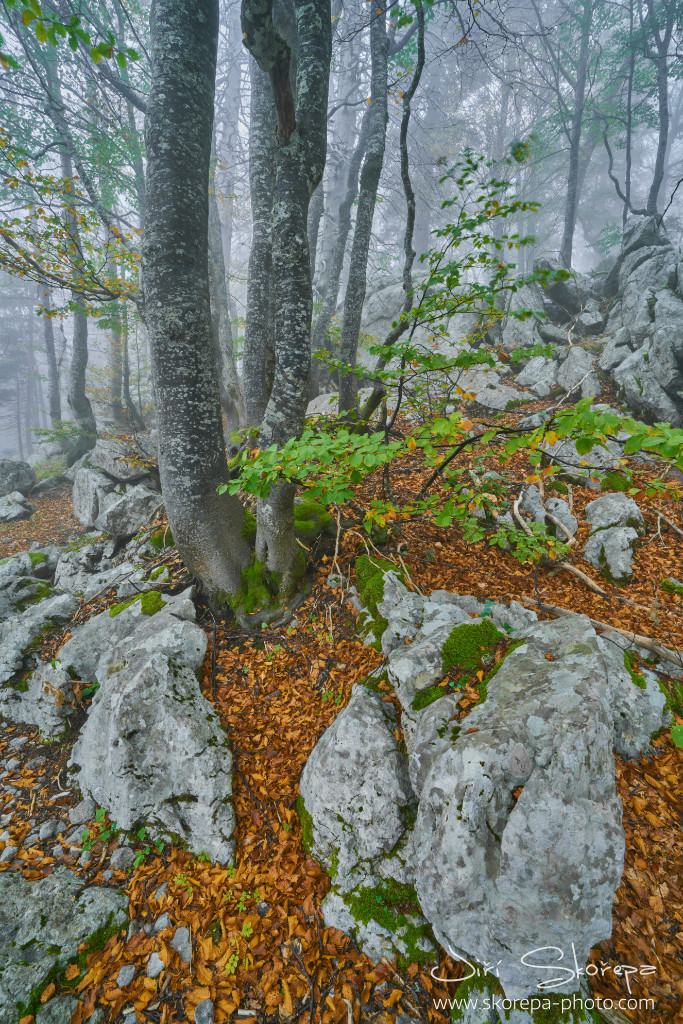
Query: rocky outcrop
pixel 517 842
pixel 124 516
pixel 45 924
pixel 92 494
pixel 16 476
pixel 14 506
pixel 153 752
pixel 103 502
pixel 616 523
pixel 21 633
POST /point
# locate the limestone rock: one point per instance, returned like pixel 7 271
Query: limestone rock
pixel 128 512
pixel 44 923
pixel 20 634
pixel 92 494
pixel 539 375
pixel 614 509
pixel 616 350
pixel 16 476
pixel 14 506
pixel 644 393
pixel 611 551
pixel 117 459
pixel 152 750
pixel 576 373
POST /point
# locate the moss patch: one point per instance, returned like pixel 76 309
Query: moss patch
pixel 637 678
pixel 672 586
pixel 306 825
pixel 37 558
pixel 151 602
pixel 389 903
pixel 249 528
pixel 470 646
pixel 370 585
pixel 426 697
pixel 162 539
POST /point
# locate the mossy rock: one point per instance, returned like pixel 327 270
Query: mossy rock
pixel 162 539
pixel 470 646
pixel 672 586
pixel 311 519
pixel 370 586
pixel 394 906
pixel 151 602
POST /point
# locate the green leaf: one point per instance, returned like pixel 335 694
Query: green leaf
pixel 41 32
pixel 677 735
pixel 121 60
pixel 94 53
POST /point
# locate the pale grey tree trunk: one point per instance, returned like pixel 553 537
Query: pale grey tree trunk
pixel 367 198
pixel 572 200
pixel 301 150
pixel 228 381
pixel 207 526
pixel 53 394
pixel 258 327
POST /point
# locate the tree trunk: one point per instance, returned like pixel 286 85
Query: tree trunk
pixel 367 198
pixel 572 200
pixel 207 526
pixel 662 44
pixel 53 394
pixel 228 383
pixel 257 332
pixel 301 149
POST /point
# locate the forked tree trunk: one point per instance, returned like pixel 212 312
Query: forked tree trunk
pixel 206 525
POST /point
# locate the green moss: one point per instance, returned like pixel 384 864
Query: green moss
pixel 249 528
pixel 426 697
pixel 37 558
pixel 470 645
pixel 636 677
pixel 310 520
pixel 671 586
pixel 162 539
pixel 151 602
pixel 370 586
pixel 259 589
pixel 549 1013
pixel 556 485
pixel 389 903
pixel 306 825
pixel 156 573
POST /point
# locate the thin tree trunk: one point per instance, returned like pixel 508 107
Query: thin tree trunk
pixel 572 200
pixel 367 198
pixel 207 526
pixel 228 382
pixel 20 439
pixel 661 60
pixel 53 393
pixel 257 331
pixel 315 213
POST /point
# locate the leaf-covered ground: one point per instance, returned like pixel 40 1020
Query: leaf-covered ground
pixel 260 949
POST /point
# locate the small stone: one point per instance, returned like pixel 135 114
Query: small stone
pixel 161 891
pixel 121 859
pixel 85 858
pixel 18 743
pixel 163 922
pixel 11 765
pixel 50 828
pixel 57 851
pixel 8 854
pixel 262 908
pixel 203 1013
pixel 31 840
pixel 182 944
pixel 36 762
pixel 5 819
pixel 125 976
pixel 148 927
pixel 76 836
pixel 4 836
pixel 154 966
pixel 82 812
pixel 107 875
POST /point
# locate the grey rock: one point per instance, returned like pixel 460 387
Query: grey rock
pixel 589 322
pixel 576 373
pixel 153 749
pixel 155 965
pixel 17 593
pixel 92 494
pixel 82 812
pixel 203 1012
pixel 8 854
pixel 20 633
pixel 561 510
pixel 616 349
pixel 552 334
pixel 55 915
pixel 666 357
pixel 14 507
pixel 161 891
pixel 57 851
pixel 106 644
pixel 122 858
pixel 638 710
pixel 117 460
pixel 643 392
pixel 164 921
pixel 611 551
pixel 582 468
pixel 614 509
pixel 46 701
pixel 49 829
pixel 108 875
pixel 539 375
pixel 131 510
pixel 523 333
pixel 375 940
pixel 59 1010
pixel 182 943
pixel 85 858
pixel 571 294
pixel 16 476
pixel 531 502
pixel 48 483
pixel 355 787
pixel 125 976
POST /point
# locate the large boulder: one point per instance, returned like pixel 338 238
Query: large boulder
pixel 16 476
pixel 20 634
pixel 576 374
pixel 523 333
pixel 612 552
pixel 539 375
pixel 14 506
pixel 45 924
pixel 571 294
pixel 644 393
pixel 614 509
pixel 128 512
pixel 153 752
pixel 518 841
pixel 118 460
pixel 93 493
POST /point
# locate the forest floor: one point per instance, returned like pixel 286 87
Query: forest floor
pixel 260 948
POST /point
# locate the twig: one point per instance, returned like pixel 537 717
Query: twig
pixel 671 524
pixel 570 536
pixel 572 569
pixel 515 512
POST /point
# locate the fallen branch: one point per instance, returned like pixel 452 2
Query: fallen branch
pixel 553 519
pixel 675 657
pixel 583 577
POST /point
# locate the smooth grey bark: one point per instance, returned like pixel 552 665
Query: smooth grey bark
pixel 367 197
pixel 115 360
pixel 572 200
pixel 315 212
pixel 53 395
pixel 335 264
pixel 228 382
pixel 301 150
pixel 662 40
pixel 207 526
pixel 258 326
